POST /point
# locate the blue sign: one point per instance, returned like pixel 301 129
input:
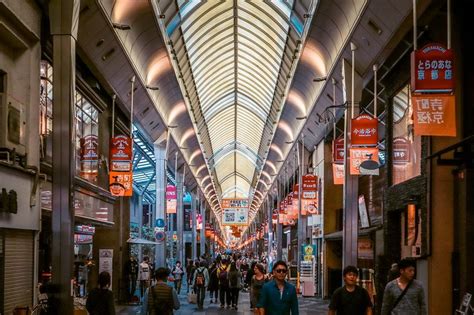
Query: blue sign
pixel 160 223
pixel 160 236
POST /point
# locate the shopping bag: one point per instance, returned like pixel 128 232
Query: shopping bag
pixel 192 298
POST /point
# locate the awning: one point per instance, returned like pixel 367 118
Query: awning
pixel 140 241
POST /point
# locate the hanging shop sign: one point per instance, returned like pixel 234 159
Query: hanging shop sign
pixel 434 114
pixel 120 183
pixel 338 174
pixel 121 153
pixel 171 199
pixel 198 221
pixel 310 186
pixel 308 252
pixel 235 216
pixel 235 203
pixel 401 151
pixel 309 207
pixel 364 130
pixel 432 69
pixel 275 216
pixel 338 150
pixel 89 155
pixel 359 155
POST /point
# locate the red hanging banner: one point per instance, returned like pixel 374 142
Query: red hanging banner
pixel 434 114
pixel 364 130
pixel 121 154
pixel 432 69
pixel 171 199
pixel 310 186
pixel 338 150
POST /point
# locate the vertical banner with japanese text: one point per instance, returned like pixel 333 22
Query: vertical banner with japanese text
pixel 434 114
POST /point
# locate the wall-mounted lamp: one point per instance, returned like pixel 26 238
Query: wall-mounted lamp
pixel 301 118
pixel 123 27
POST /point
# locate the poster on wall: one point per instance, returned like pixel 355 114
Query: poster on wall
pixel 106 262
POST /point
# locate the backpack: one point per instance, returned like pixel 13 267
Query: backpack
pixel 200 280
pixel 162 304
pixel 223 277
pixel 233 279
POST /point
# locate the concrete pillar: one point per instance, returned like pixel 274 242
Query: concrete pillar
pixel 194 234
pixel 270 226
pixel 180 216
pixel 139 205
pixel 64 19
pixel 160 200
pixel 279 230
pixel 351 182
pixel 203 228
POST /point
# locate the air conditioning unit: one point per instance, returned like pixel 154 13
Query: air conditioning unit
pixel 12 124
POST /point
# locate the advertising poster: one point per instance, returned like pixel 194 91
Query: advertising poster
pixel 106 262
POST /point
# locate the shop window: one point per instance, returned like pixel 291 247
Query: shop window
pixel 46 110
pixel 406 151
pixel 87 134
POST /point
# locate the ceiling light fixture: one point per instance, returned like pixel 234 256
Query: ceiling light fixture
pixel 123 27
pixel 301 118
pixel 320 79
pixel 152 88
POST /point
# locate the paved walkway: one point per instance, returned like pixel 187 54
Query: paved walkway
pixel 307 306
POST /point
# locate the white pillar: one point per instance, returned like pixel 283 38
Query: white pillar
pixel 160 200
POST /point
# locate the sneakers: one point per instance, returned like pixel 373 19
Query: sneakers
pixel 222 305
pixel 228 307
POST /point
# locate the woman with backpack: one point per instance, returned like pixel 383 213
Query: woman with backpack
pixel 213 283
pixel 235 284
pixel 200 283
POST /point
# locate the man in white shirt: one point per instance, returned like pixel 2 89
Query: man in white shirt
pixel 144 275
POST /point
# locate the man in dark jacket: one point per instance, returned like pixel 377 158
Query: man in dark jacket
pixel 162 299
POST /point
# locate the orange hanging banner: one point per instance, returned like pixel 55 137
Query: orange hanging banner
pixel 364 130
pixel 359 155
pixel 434 114
pixel 121 183
pixel 338 173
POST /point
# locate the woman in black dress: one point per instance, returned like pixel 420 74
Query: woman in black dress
pixel 213 282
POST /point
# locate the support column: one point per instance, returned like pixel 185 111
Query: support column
pixel 300 161
pixel 194 236
pixel 203 227
pixel 279 226
pixel 351 182
pixel 139 205
pixel 270 226
pixel 180 216
pixel 160 200
pixel 64 19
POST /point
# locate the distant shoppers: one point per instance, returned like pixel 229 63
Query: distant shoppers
pixel 200 283
pixel 404 295
pixel 393 273
pixel 162 298
pixel 224 291
pixel 144 276
pixel 101 300
pixel 350 299
pixel 256 285
pixel 278 297
pixel 131 277
pixel 178 276
pixel 213 283
pixel 235 284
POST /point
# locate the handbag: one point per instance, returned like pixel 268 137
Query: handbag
pixel 192 297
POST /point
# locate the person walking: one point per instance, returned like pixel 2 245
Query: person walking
pixel 178 276
pixel 200 283
pixel 162 299
pixel 223 276
pixel 131 276
pixel 278 297
pixel 350 298
pixel 213 283
pixel 144 276
pixel 235 284
pixel 100 301
pixel 404 295
pixel 256 285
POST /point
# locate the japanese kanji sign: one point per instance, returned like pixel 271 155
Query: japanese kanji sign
pixel 310 186
pixel 171 199
pixel 120 183
pixel 364 130
pixel 121 153
pixel 338 150
pixel 432 69
pixel 401 151
pixel 358 155
pixel 338 173
pixel 434 115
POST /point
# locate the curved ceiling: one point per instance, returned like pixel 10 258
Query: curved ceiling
pixel 235 60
